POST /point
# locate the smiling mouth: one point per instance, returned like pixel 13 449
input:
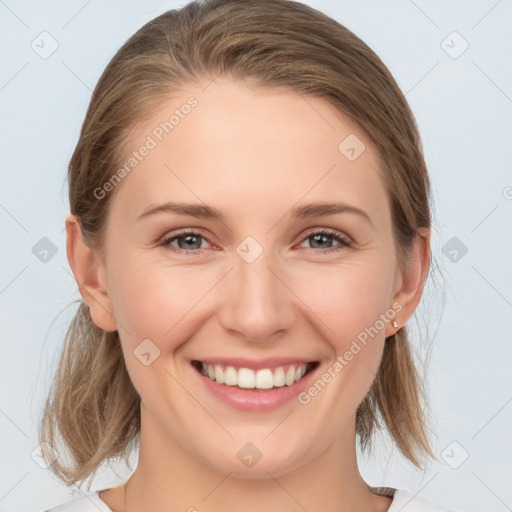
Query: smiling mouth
pixel 264 379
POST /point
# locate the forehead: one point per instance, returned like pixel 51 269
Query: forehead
pixel 251 148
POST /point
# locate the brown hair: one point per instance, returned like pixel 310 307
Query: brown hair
pixel 93 406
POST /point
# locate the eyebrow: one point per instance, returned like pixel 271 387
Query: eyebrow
pixel 192 210
pixel 317 209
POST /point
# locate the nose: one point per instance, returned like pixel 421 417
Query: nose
pixel 258 306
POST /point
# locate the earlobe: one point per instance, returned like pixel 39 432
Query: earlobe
pixel 89 273
pixel 412 279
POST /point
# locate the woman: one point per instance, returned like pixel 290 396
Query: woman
pixel 250 233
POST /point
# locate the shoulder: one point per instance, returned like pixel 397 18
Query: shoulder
pixel 88 502
pixel 404 501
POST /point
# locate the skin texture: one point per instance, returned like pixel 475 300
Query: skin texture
pixel 254 153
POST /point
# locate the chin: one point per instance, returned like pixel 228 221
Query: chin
pixel 268 466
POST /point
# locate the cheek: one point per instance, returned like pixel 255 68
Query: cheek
pixel 349 303
pixel 152 301
pixel 156 305
pixel 347 298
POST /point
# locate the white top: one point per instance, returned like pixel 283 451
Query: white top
pixel 403 501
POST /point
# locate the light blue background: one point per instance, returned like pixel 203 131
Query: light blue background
pixel 464 111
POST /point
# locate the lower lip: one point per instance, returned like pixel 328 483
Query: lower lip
pixel 253 400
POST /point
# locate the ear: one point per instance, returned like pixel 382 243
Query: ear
pixel 89 272
pixel 410 280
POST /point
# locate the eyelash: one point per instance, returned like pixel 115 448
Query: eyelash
pixel 343 241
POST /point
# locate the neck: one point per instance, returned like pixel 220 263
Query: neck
pixel 169 478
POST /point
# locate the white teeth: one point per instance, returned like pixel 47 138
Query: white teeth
pixel 247 378
pixel 230 377
pixel 264 379
pixel 219 375
pixel 279 377
pixel 290 376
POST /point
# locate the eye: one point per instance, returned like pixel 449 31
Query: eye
pixel 322 240
pixel 191 242
pixel 187 242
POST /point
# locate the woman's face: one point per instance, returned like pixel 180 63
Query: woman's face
pixel 246 270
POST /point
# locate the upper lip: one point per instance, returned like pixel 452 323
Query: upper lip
pixel 255 364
